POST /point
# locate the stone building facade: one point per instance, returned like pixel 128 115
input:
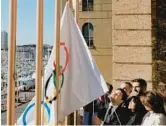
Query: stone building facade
pixel 132 44
pixel 127 42
pixel 99 17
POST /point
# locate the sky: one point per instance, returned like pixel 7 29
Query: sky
pixel 26 21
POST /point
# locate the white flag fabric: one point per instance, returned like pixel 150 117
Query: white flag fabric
pixel 80 80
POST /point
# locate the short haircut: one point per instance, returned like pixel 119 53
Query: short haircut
pixel 138 104
pixel 142 83
pixel 124 97
pixel 129 84
pixel 110 87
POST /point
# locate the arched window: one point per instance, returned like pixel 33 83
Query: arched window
pixel 87 5
pixel 87 31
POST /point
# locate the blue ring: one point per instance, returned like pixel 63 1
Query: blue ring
pixel 32 105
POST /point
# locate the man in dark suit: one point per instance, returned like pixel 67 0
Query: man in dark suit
pixel 94 107
pixel 139 89
pixel 115 114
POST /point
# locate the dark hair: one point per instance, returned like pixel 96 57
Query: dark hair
pixel 138 104
pixel 124 97
pixel 142 83
pixel 155 102
pixel 110 88
pixel 129 84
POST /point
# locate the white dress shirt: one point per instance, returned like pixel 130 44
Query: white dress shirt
pixel 152 118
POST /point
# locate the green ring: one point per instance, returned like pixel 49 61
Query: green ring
pixel 54 79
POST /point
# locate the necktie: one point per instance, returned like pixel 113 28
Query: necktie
pixel 108 114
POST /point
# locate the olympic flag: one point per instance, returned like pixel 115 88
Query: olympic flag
pixel 81 81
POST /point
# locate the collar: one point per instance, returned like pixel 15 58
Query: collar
pixel 112 105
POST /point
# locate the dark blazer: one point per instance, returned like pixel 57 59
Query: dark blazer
pixel 119 117
pixel 91 106
pixel 136 116
pixel 102 106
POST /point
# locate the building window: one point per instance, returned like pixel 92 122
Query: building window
pixel 87 31
pixel 87 5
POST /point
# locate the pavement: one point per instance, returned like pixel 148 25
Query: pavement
pixel 19 111
pixel 25 98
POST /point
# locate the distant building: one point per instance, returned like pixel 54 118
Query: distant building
pixel 29 51
pixel 4 40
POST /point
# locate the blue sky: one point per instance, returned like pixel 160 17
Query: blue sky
pixel 26 20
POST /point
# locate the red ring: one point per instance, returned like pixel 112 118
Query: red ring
pixel 67 57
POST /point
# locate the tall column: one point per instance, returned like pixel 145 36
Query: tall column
pixel 131 38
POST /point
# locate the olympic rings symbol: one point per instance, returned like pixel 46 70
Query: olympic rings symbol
pixel 67 57
pixel 53 98
pixel 30 107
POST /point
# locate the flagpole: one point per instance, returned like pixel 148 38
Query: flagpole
pixel 11 63
pixel 77 11
pixel 57 56
pixel 76 118
pixel 66 118
pixel 39 58
pixel 70 4
pixel 75 112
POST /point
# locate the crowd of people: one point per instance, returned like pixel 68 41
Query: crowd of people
pixel 131 104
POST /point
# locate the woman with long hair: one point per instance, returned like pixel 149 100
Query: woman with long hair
pixel 136 111
pixel 154 104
